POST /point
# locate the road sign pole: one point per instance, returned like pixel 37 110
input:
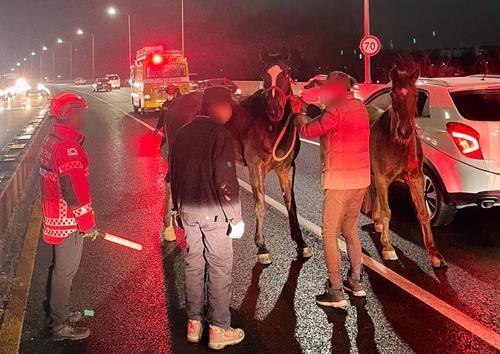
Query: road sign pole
pixel 366 32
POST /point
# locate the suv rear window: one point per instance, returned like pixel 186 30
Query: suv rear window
pixel 113 77
pixel 480 105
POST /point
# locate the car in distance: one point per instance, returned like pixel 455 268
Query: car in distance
pixel 79 81
pixel 204 84
pixel 458 123
pixel 114 79
pixel 38 90
pixel 101 84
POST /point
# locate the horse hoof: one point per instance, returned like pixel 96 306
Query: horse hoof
pixel 264 258
pixel 168 233
pixel 306 252
pixel 438 262
pixel 389 255
pixel 379 227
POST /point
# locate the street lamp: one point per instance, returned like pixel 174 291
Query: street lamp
pixel 80 32
pixel 44 49
pixel 12 69
pixel 112 11
pixel 182 26
pixel 25 59
pixel 60 41
pixel 18 64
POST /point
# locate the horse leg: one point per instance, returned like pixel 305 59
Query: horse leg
pixel 382 185
pixel 286 176
pixel 168 231
pixel 417 193
pixel 257 176
pixel 376 215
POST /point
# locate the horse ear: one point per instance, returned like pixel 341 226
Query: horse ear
pixel 264 55
pixel 285 53
pixel 415 74
pixel 394 74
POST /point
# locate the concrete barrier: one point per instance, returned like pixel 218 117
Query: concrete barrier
pixel 18 162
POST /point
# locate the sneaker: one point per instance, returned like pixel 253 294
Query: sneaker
pixel 355 287
pixel 219 337
pixel 75 316
pixel 331 297
pixel 69 331
pixel 194 331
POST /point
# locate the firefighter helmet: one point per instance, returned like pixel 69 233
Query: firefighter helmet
pixel 62 104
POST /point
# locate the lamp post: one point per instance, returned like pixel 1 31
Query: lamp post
pixel 80 32
pixel 182 26
pixel 44 49
pixel 60 41
pixel 112 11
pixel 31 64
pixel 366 32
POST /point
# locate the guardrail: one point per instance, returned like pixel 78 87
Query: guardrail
pixel 18 161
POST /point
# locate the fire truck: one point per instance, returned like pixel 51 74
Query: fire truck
pixel 153 71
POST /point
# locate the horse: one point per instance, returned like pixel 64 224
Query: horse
pixel 264 139
pixel 396 153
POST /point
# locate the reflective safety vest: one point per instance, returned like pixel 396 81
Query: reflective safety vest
pixel 66 199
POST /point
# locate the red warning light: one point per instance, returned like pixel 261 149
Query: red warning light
pixel 157 59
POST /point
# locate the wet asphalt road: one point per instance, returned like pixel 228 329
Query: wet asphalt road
pixel 138 296
pixel 15 113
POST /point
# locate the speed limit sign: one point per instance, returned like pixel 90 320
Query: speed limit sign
pixel 370 45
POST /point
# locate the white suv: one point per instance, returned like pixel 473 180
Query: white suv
pixel 458 122
pixel 114 79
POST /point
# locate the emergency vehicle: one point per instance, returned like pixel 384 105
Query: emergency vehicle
pixel 153 71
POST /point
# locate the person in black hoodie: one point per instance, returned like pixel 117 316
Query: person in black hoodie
pixel 205 194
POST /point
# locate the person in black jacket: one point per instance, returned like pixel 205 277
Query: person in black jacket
pixel 205 195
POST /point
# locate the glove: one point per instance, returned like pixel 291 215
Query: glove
pixel 92 235
pixel 237 230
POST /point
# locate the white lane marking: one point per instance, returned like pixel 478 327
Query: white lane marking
pixel 460 318
pixel 411 288
pixel 117 108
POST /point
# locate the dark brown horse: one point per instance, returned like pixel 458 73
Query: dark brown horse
pixel 264 140
pixel 396 153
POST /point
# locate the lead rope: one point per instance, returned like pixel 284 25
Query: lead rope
pixel 280 137
pixel 283 130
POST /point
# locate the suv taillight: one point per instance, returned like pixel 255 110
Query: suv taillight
pixel 466 139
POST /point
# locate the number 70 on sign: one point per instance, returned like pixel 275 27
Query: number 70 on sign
pixel 370 45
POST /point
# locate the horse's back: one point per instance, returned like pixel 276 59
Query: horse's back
pixel 182 111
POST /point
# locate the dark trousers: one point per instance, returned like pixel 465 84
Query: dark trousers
pixel 65 263
pixel 209 259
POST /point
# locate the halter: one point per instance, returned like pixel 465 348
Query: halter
pixel 280 91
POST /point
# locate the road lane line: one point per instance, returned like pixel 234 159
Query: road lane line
pixel 460 318
pixel 411 288
pixel 12 327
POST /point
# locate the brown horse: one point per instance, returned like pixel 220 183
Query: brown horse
pixel 264 140
pixel 397 154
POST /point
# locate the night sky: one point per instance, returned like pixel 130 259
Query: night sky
pixel 225 35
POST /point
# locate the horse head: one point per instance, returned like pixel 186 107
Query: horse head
pixel 404 97
pixel 277 84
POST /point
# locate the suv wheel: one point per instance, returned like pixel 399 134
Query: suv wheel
pixel 441 214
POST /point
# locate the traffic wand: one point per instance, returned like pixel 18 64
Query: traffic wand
pixel 122 241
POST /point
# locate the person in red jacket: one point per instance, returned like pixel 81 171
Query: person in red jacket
pixel 68 217
pixel 344 133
